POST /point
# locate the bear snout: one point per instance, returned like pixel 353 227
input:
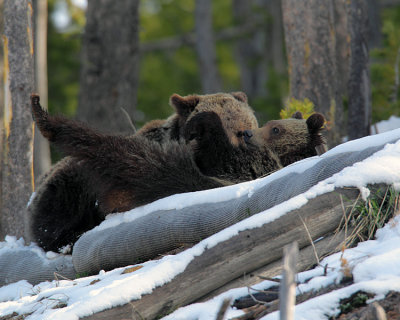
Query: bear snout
pixel 247 134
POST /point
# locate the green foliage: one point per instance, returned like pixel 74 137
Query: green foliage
pixel 161 75
pixel 63 63
pixel 356 300
pixel 306 107
pixel 369 216
pixel 164 18
pixel 385 101
pixel 81 275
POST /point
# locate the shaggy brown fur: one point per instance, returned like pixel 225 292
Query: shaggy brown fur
pixel 232 109
pixel 125 172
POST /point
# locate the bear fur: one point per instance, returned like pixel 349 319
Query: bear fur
pixel 231 108
pixel 66 191
pixel 215 146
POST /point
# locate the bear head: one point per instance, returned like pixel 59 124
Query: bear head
pixel 290 139
pixel 231 110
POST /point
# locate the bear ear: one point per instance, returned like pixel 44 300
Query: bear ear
pixel 315 122
pixel 239 95
pixel 297 115
pixel 184 105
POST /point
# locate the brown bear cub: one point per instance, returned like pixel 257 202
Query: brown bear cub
pixel 218 144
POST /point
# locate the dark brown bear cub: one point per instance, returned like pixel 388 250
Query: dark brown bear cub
pixel 125 172
pixel 67 191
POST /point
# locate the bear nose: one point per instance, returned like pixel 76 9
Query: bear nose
pixel 247 134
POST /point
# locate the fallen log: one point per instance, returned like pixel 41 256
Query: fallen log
pixel 306 260
pixel 242 254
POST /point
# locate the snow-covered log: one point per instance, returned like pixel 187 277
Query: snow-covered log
pixel 241 254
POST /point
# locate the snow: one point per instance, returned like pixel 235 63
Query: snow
pixel 374 263
pixel 386 125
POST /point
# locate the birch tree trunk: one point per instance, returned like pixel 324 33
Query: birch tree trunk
pixel 311 48
pixel 17 144
pixel 41 154
pixel 205 47
pixel 359 89
pixel 109 64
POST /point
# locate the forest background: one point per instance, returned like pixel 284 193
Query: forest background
pixel 116 61
pixel 168 61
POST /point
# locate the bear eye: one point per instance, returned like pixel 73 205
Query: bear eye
pixel 275 130
pixel 192 136
pixel 239 134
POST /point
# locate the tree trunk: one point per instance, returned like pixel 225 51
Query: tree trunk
pixel 41 150
pixel 276 35
pixel 17 149
pixel 375 23
pixel 342 45
pixel 205 47
pixel 2 131
pixel 311 48
pixel 250 52
pixel 359 119
pixel 109 65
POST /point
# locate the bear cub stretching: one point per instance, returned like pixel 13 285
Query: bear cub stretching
pixel 215 148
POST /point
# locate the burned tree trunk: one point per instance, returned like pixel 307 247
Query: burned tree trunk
pixel 359 119
pixel 310 39
pixel 109 65
pixel 205 47
pixel 17 144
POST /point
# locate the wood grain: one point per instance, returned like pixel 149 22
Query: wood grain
pixel 242 254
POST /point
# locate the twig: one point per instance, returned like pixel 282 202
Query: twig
pixel 129 119
pixel 255 299
pixel 57 276
pixel 222 310
pixel 270 279
pixel 310 238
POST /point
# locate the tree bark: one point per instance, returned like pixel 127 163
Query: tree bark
pixel 109 65
pixel 342 45
pixel 205 47
pixel 359 115
pixel 2 130
pixel 276 36
pixel 17 149
pixel 41 150
pixel 310 38
pixel 250 52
